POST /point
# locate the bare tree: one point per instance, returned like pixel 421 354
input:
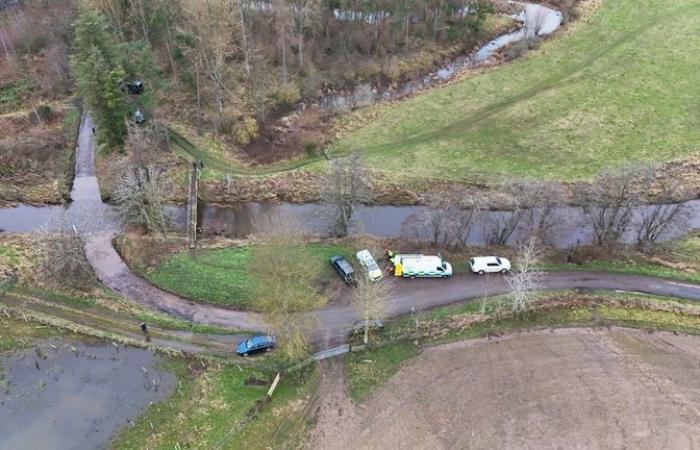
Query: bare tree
pixel 283 26
pixel 667 215
pixel 348 184
pixel 542 198
pixel 307 15
pixel 447 222
pixel 286 275
pixel 139 197
pixel 526 280
pixel 62 249
pixel 369 300
pixel 609 200
pixel 212 23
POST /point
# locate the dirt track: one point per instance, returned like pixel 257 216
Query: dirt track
pixel 575 388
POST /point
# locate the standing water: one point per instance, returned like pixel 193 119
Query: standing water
pixel 71 395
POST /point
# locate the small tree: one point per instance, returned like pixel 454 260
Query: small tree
pixel 369 300
pixel 139 197
pixel 446 222
pixel 668 214
pixel 526 280
pixel 348 184
pixel 285 275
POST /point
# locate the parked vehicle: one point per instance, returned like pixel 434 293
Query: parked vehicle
pixel 132 87
pixel 256 344
pixel 421 266
pixel 369 264
pixel 359 326
pixel 489 264
pixel 344 269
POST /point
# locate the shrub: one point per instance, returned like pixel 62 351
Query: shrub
pixel 288 94
pixel 246 130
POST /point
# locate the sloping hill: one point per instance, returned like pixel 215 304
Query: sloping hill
pixel 624 86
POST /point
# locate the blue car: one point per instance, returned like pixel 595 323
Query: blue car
pixel 256 344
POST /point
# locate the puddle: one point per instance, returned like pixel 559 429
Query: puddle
pixel 61 399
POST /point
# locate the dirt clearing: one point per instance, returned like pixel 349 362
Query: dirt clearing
pixel 572 388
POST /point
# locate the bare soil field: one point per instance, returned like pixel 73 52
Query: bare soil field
pixel 571 388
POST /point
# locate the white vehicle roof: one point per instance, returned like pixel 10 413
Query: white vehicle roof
pixel 365 257
pixel 486 259
pixel 421 260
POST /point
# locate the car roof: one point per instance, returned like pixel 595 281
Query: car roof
pixel 262 339
pixel 345 265
pixel 485 259
pixel 365 255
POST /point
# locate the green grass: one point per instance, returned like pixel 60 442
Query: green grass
pixel 220 276
pixel 622 87
pixel 405 338
pixel 12 95
pixel 206 410
pixel 369 368
pixel 16 334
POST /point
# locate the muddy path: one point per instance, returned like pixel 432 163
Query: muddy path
pixel 66 394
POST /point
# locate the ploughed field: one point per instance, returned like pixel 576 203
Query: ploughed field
pixel 621 86
pixel 568 388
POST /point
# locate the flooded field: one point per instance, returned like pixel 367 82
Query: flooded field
pixel 73 395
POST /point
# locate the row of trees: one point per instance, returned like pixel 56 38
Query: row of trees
pixel 611 204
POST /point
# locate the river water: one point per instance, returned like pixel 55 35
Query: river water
pixel 243 219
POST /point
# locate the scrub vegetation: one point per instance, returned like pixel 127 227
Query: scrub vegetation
pixel 211 405
pixel 618 89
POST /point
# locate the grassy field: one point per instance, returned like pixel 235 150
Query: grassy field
pixel 220 276
pixel 208 409
pixel 622 87
pixel 408 336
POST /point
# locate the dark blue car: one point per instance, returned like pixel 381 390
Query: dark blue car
pixel 256 344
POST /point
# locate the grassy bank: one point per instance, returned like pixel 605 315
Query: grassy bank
pixel 615 90
pixel 209 410
pixel 221 276
pixel 37 155
pixel 678 259
pixel 407 337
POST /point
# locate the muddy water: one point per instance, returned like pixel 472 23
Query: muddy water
pixel 61 399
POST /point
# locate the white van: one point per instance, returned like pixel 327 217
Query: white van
pixel 423 266
pixel 489 264
pixel 369 264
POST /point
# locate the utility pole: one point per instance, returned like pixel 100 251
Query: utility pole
pixel 192 198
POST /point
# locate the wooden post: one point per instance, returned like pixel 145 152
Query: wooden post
pixel 192 195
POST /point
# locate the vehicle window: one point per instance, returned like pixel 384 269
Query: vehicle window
pixel 248 343
pixel 472 261
pixel 441 269
pixel 498 260
pixel 493 264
